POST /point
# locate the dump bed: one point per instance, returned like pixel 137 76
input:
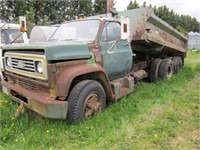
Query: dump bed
pixel 149 33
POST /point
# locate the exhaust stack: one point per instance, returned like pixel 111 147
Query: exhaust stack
pixel 109 7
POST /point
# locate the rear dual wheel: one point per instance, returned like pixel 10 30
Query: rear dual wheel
pixel 86 99
pixel 153 74
pixel 165 71
pixel 177 62
pixel 161 69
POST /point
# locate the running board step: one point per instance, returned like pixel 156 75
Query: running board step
pixel 122 87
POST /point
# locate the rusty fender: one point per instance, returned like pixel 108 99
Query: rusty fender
pixel 65 78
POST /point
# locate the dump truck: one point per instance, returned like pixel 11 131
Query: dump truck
pixel 90 61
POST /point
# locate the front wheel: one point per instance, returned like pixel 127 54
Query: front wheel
pixel 86 99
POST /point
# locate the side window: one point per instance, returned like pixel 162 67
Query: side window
pixel 111 31
pixel 9 35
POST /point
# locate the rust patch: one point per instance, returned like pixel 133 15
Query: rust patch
pixel 139 66
pixel 38 102
pixel 65 77
pixel 92 104
pixel 171 43
pixel 27 83
pixel 95 49
pixel 139 33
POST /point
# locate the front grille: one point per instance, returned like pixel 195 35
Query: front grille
pixel 23 64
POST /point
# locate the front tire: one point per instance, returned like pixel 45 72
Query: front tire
pixel 86 99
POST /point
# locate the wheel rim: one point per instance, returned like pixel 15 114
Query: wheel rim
pixel 169 72
pixel 92 104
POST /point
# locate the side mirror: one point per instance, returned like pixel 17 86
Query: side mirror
pixel 125 28
pixel 22 20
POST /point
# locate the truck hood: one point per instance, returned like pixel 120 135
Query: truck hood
pixel 55 50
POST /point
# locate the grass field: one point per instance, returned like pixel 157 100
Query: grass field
pixel 164 115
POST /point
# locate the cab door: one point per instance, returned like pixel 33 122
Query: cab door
pixel 116 53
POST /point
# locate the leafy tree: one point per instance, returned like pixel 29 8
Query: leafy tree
pixel 87 7
pixel 80 8
pixel 11 9
pixel 100 6
pixel 144 4
pixel 181 29
pixel 183 23
pixel 46 12
pixel 132 5
pixel 56 10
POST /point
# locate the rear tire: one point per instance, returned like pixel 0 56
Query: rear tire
pixel 153 75
pixel 165 69
pixel 177 62
pixel 86 99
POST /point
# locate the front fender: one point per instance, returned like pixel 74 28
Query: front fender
pixel 65 78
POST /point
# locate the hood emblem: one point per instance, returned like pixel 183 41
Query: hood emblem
pixel 21 64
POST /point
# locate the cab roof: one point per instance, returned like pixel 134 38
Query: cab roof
pixel 9 25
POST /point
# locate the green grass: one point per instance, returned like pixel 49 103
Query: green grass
pixel 164 115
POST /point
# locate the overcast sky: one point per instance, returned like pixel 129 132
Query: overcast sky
pixel 185 7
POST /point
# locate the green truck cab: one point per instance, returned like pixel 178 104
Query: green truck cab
pixel 84 64
pixel 44 76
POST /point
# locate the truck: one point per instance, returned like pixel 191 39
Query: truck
pixel 10 34
pixel 90 61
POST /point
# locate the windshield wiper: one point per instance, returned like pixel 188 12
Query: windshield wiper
pixel 61 40
pixel 52 39
pixel 68 40
pixel 16 38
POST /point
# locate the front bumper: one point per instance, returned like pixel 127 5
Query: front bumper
pixel 38 102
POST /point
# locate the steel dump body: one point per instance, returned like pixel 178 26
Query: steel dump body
pixel 149 33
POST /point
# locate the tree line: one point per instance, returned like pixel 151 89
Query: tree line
pixel 183 23
pixel 47 12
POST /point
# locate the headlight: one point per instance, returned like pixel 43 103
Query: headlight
pixel 39 67
pixel 8 61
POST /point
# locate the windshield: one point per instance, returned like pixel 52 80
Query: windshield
pixel 82 30
pixel 9 35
